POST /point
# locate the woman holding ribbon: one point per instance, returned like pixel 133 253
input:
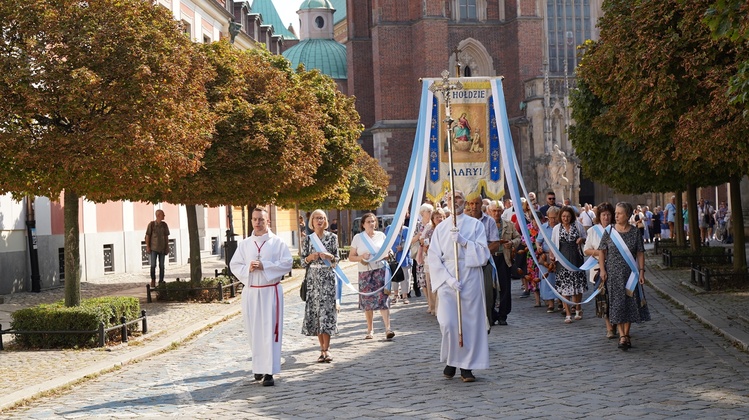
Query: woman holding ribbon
pixel 438 215
pixel 568 237
pixel 319 256
pixel 373 275
pixel 604 215
pixel 622 260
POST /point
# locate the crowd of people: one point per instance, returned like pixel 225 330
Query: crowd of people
pixel 469 256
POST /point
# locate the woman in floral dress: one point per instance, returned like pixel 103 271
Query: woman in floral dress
pixel 623 308
pixel 320 314
pixel 569 236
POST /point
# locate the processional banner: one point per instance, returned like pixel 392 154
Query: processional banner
pixel 477 160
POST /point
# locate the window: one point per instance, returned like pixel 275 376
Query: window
pixel 467 9
pixel 61 266
pixel 569 25
pixel 320 22
pixel 172 250
pixel 109 258
pixel 145 257
pixel 187 29
pixel 214 245
pixel 206 39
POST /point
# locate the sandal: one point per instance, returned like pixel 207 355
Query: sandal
pixel 568 319
pixel 369 336
pixel 327 358
pixel 578 315
pixel 406 302
pixel 610 334
pixel 389 335
pixel 321 359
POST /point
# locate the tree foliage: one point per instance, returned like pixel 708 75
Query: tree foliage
pixel 730 19
pixel 368 183
pixel 100 99
pixel 342 128
pixel 267 137
pixel 660 77
pixel 104 98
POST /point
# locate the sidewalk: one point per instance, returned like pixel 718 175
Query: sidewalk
pixel 28 373
pixel 726 313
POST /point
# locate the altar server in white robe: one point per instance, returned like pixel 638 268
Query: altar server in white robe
pixel 473 253
pixel 259 263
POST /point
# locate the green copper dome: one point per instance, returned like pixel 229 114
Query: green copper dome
pixel 270 17
pixel 316 4
pixel 325 55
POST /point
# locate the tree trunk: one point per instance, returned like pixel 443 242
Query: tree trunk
pixel 678 232
pixel 72 250
pixel 196 265
pixel 694 220
pixel 737 225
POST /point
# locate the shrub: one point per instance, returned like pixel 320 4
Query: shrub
pixel 297 262
pixel 181 291
pixel 86 317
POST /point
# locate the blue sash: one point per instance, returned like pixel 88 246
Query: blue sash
pixel 634 276
pixel 388 275
pixel 340 275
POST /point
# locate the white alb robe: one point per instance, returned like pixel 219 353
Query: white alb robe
pixel 441 260
pixel 262 297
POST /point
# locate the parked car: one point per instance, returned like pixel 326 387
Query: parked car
pixel 383 221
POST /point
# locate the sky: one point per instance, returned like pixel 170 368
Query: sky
pixel 287 11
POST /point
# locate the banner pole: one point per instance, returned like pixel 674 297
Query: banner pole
pixel 446 88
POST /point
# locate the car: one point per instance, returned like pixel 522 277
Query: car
pixel 383 221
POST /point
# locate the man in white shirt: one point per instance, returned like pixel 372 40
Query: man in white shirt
pixel 473 253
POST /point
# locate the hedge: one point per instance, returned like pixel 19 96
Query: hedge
pixel 86 317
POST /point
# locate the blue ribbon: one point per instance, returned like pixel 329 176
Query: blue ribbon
pixel 514 179
pixel 319 247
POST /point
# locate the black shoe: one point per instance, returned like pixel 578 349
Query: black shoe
pixel 409 295
pixel 417 293
pixel 268 380
pixel 502 322
pixel 258 376
pixel 449 371
pixel 467 376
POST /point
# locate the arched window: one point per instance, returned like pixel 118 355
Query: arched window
pixel 320 22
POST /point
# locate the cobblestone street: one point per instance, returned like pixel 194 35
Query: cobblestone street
pixel 541 368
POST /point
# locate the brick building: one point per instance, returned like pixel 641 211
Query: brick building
pixel 531 43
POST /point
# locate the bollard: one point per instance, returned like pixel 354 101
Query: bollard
pixel 123 329
pixel 148 293
pixel 1 337
pixel 220 290
pixel 707 279
pixel 232 289
pixel 215 273
pixel 145 323
pixel 692 275
pixel 101 334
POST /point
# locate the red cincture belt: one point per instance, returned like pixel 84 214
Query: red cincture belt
pixel 275 330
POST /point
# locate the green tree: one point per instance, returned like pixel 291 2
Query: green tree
pixel 268 138
pixel 101 99
pixel 662 70
pixel 730 19
pixel 342 128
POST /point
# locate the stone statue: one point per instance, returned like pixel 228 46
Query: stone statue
pixel 558 168
pixel 234 29
pixel 558 174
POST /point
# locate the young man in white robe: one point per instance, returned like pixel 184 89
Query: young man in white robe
pixel 259 263
pixel 473 253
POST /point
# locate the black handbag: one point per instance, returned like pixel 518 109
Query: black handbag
pixel 303 287
pixel 397 275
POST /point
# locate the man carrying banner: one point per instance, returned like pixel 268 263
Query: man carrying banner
pixel 473 253
pixel 492 240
